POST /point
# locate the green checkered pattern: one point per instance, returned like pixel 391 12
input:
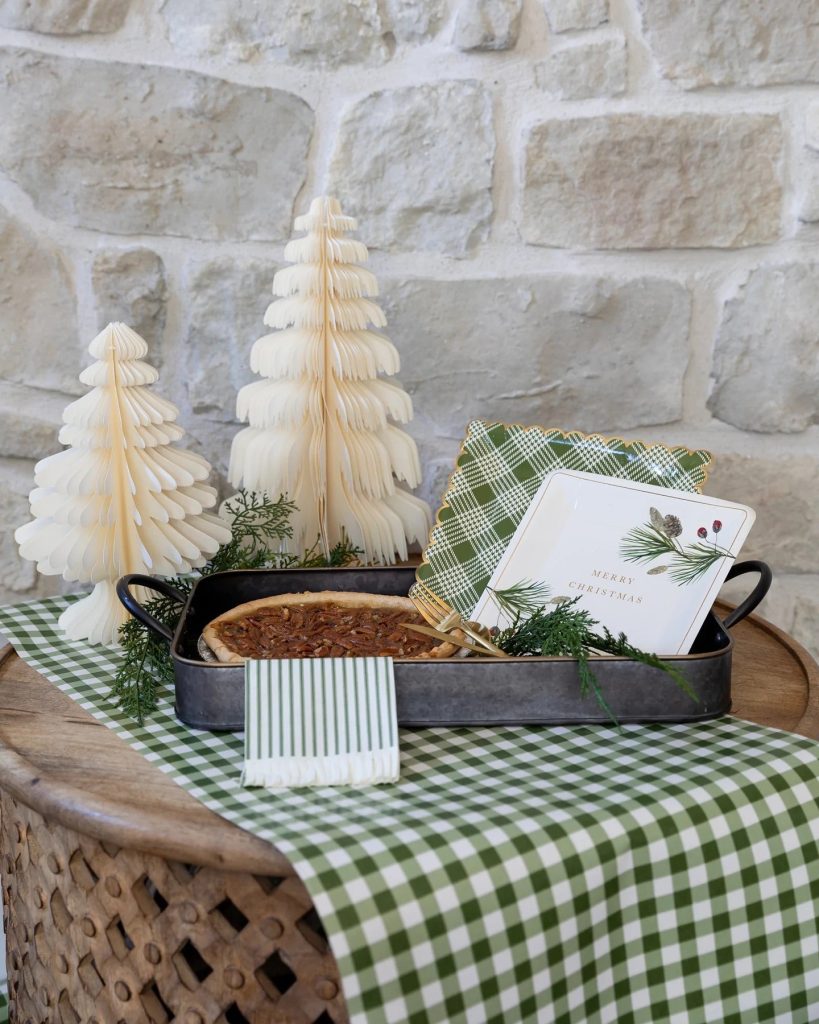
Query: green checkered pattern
pixel 663 873
pixel 498 471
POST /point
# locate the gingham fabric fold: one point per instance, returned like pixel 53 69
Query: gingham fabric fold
pixel 664 874
pixel 320 722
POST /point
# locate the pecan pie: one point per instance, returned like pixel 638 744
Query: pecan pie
pixel 324 624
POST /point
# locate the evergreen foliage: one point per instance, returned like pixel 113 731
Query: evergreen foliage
pixel 259 528
pixel 322 420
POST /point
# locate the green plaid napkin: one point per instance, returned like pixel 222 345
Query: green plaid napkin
pixel 662 874
pixel 498 471
pixel 320 722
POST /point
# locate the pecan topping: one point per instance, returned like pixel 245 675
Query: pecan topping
pixel 322 631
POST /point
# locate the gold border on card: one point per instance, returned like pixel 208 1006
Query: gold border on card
pixel 562 433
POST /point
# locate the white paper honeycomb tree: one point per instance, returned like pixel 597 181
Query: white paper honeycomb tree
pixel 322 421
pixel 120 499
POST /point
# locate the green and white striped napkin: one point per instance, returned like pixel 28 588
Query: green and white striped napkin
pixel 320 722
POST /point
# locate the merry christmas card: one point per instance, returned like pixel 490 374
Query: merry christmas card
pixel 643 560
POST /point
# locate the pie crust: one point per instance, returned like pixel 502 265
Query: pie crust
pixel 345 599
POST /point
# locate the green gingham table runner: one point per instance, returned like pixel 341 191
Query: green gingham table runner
pixel 665 873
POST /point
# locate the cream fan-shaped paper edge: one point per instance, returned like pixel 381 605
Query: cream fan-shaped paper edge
pixel 320 374
pixel 121 499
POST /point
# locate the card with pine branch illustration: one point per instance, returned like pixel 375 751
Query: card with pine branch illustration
pixel 644 560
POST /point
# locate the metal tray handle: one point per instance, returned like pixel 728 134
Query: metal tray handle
pixel 124 584
pixel 760 590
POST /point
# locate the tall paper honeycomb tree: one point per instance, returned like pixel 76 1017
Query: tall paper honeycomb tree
pixel 322 422
pixel 120 499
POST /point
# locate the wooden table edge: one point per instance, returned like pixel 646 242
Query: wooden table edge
pixel 808 724
pixel 109 821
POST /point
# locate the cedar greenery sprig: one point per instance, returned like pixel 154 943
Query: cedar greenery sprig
pixel 570 632
pixel 259 528
pixel 564 631
pixel 620 646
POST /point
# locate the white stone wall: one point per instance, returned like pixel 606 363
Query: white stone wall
pixel 600 214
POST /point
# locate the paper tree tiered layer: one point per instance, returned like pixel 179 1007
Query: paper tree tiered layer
pixel 322 422
pixel 120 499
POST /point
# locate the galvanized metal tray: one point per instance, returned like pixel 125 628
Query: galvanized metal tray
pixel 447 692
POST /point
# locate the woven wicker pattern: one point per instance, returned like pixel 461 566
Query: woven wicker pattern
pixel 99 935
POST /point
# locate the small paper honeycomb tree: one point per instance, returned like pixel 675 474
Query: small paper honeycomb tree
pixel 120 499
pixel 320 425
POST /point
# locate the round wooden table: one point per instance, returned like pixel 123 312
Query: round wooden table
pixel 127 901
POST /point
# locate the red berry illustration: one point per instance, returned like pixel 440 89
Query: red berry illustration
pixel 716 526
pixel 702 532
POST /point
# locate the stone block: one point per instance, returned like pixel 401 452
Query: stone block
pixel 327 33
pixel 63 17
pixel 487 24
pixel 584 70
pixel 568 15
pixel 225 301
pixel 784 491
pixel 212 440
pixel 560 350
pixel 38 322
pixel 733 42
pixel 634 181
pixel 415 166
pixel 29 421
pixel 766 359
pixel 18 578
pixel 808 190
pixel 438 463
pixel 129 285
pixel 414 21
pixel 812 125
pixel 151 149
pixel 330 32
